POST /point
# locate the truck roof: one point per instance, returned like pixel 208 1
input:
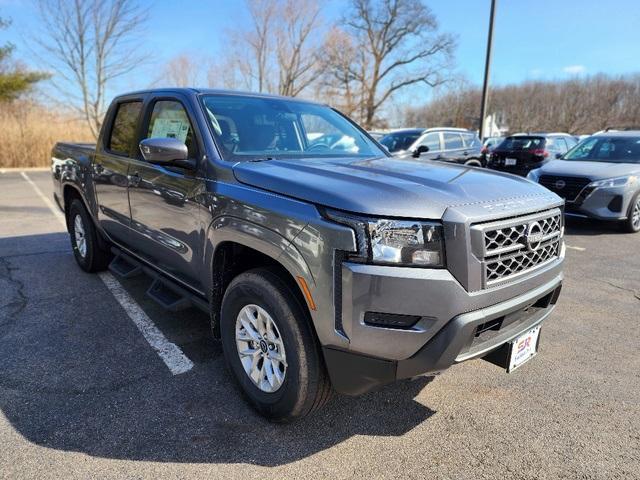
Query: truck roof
pixel 214 91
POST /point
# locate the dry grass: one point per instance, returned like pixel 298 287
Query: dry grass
pixel 28 132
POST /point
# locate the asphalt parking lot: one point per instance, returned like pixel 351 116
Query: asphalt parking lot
pixel 84 395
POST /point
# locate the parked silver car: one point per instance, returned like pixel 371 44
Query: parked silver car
pixel 598 178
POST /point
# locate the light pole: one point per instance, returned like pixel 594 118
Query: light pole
pixel 487 68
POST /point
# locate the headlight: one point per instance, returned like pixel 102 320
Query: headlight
pixel 614 182
pixel 403 242
pixel 396 242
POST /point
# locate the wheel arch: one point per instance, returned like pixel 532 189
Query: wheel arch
pixel 235 245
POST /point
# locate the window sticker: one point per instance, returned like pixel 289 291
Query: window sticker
pixel 170 128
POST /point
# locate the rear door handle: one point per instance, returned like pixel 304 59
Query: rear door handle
pixel 134 180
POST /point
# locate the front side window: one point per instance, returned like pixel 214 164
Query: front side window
pixel 398 141
pixel 452 141
pixel 246 128
pixel 169 120
pixel 123 130
pixel 431 140
pixel 607 149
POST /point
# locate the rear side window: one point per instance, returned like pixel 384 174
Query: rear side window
pixel 470 140
pixel 452 141
pixel 561 145
pixel 123 130
pixel 169 120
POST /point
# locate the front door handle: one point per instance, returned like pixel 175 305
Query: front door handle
pixel 134 180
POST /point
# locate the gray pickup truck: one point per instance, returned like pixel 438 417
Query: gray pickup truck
pixel 324 263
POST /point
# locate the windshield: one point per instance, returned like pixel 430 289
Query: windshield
pixel 246 128
pixel 521 142
pixel 606 149
pixel 399 141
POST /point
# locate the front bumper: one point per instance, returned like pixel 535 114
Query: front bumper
pixel 610 203
pixel 467 336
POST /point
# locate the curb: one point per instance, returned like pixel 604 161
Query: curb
pixel 24 169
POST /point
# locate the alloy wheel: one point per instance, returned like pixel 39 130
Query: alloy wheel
pixel 79 234
pixel 260 348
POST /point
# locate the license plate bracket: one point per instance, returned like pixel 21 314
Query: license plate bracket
pixel 523 348
pixel 509 162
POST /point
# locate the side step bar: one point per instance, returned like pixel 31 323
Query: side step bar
pixel 163 290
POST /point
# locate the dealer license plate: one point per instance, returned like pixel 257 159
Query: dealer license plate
pixel 510 161
pixel 524 348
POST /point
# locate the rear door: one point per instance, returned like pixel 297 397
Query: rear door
pixel 454 150
pixel 111 165
pixel 165 213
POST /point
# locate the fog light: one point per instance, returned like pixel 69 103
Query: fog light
pixel 390 320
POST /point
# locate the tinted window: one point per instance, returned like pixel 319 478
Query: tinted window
pixel 398 141
pixel 169 120
pixel 607 149
pixel 431 140
pixel 452 141
pixel 521 143
pixel 123 130
pixel 247 127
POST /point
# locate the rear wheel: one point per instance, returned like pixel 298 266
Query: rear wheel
pixel 84 239
pixel 632 223
pixel 270 347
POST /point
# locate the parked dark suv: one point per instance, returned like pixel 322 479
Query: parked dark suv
pixel 400 140
pixel 522 153
pixel 456 145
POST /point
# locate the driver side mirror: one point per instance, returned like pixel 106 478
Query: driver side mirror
pixel 165 151
pixel 420 150
pixel 558 155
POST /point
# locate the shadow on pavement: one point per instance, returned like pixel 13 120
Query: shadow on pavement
pixel 76 375
pixel 588 226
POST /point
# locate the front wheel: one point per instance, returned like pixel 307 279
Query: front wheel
pixel 270 348
pixel 632 223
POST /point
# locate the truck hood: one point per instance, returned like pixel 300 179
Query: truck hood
pixel 386 186
pixel 591 170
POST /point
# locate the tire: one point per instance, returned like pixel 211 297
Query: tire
pixel 473 163
pixel 632 223
pixel 299 385
pixel 84 240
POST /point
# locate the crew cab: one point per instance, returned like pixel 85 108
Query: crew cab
pixel 325 263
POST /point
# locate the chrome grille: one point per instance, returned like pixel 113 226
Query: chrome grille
pixel 507 248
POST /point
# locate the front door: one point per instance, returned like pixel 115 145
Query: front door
pixel 431 140
pixel 110 169
pixel 165 212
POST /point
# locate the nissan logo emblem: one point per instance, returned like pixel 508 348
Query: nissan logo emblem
pixel 560 184
pixel 534 236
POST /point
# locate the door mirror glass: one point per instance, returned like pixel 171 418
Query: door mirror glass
pixel 558 155
pixel 163 150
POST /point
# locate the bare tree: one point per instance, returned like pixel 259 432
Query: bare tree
pixel 398 46
pixel 296 46
pixel 576 105
pixel 277 52
pixel 88 44
pixel 183 70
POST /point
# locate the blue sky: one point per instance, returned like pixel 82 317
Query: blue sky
pixel 539 39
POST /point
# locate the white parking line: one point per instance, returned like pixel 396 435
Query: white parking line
pixel 169 352
pixel 176 361
pixel 579 249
